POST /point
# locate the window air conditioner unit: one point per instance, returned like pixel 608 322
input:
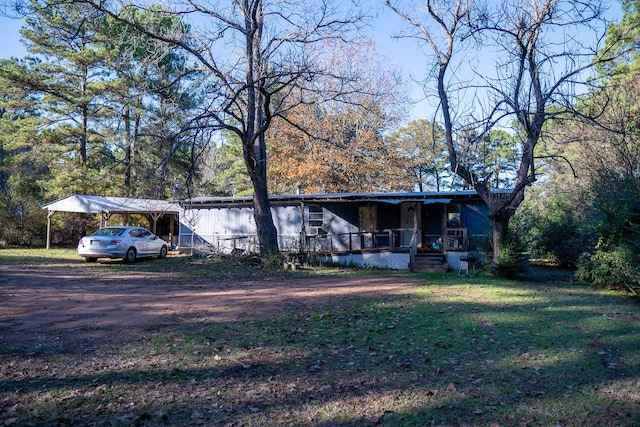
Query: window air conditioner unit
pixel 316 231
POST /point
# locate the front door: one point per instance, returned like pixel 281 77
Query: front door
pixel 409 219
pixel 368 220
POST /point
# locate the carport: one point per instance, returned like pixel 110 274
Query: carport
pixel 108 206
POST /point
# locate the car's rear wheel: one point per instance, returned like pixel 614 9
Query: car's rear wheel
pixel 130 256
pixel 91 259
pixel 163 252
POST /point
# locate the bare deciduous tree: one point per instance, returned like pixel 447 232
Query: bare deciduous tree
pixel 531 59
pixel 256 59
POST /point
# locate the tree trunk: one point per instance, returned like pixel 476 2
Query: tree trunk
pixel 503 207
pixel 127 150
pixel 500 233
pixel 254 146
pixel 265 228
pixel 267 233
pixel 85 117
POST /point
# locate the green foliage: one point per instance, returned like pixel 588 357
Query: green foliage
pixel 421 149
pixel 21 218
pixel 96 109
pixel 550 227
pixel 21 222
pixel 230 173
pixel 513 262
pixel 622 37
pixel 611 268
pixel 615 209
pixel 494 156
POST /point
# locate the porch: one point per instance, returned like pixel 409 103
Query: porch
pixel 416 231
pixel 377 249
pixel 384 249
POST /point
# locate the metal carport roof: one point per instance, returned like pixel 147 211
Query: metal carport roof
pixel 107 206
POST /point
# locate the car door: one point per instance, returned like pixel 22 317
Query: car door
pixel 147 240
pixel 137 240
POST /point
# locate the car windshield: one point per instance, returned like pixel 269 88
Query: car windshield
pixel 109 231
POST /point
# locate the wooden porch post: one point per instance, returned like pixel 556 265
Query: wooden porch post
pixel 414 240
pixel 49 215
pixel 172 226
pixel 155 216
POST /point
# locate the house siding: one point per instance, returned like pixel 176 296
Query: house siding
pixel 475 218
pixel 350 223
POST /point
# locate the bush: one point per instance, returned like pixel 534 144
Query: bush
pixel 513 260
pixel 616 268
pixel 550 228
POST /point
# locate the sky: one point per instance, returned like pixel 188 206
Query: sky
pixel 402 52
pixel 10 45
pixel 397 51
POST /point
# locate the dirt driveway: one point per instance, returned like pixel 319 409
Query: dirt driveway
pixel 84 303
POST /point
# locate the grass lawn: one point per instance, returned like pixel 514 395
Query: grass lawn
pixel 475 351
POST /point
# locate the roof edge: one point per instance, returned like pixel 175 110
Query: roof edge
pixel 338 197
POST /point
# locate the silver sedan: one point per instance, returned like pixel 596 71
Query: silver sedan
pixel 126 242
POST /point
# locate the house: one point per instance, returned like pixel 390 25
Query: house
pixel 420 231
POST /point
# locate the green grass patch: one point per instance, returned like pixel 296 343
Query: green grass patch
pixel 452 351
pixel 24 256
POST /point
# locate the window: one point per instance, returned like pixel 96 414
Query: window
pixel 316 216
pixel 146 234
pixel 453 216
pixel 136 232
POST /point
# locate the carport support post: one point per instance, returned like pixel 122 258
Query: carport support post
pixel 155 216
pixel 171 229
pixel 49 215
pixel 104 218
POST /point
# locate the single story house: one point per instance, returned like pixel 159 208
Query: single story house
pixel 428 231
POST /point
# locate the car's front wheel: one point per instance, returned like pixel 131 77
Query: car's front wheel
pixel 130 256
pixel 163 252
pixel 91 259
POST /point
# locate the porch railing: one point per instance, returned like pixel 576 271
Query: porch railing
pixel 391 239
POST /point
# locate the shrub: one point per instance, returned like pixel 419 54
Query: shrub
pixel 550 228
pixel 513 262
pixel 615 268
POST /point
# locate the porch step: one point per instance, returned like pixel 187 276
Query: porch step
pixel 430 263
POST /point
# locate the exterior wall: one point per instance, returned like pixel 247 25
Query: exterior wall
pixel 340 220
pixel 232 227
pixel 388 215
pixel 215 227
pixel 432 222
pixel 227 228
pixel 288 222
pixel 474 217
pixel 386 259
